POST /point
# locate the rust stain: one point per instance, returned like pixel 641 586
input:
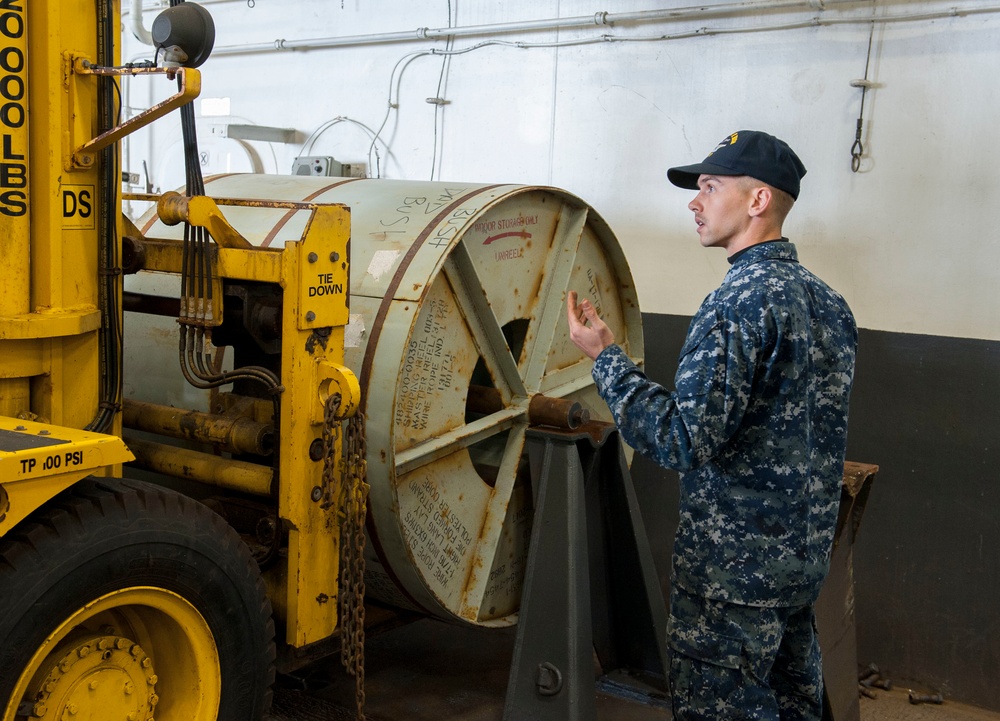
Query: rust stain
pixel 538 286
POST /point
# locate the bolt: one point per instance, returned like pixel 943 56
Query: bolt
pixel 313 257
pixel 39 710
pixel 152 679
pixel 135 650
pixel 83 651
pixel 129 688
pixel 121 643
pixel 154 699
pixel 44 432
pixel 872 670
pixel 92 685
pixel 146 663
pixel 310 317
pixel 334 256
pixel 916 698
pixel 874 682
pixel 72 708
pixel 317 494
pixel 134 716
pixel 51 687
pixel 103 644
pixel 316 450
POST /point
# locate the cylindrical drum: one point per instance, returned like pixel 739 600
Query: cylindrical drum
pixel 454 285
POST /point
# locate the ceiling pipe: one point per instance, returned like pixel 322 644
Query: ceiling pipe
pixel 597 19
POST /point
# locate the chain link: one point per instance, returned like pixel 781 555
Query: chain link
pixel 353 508
pixel 331 434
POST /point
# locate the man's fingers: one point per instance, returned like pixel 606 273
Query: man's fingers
pixel 572 310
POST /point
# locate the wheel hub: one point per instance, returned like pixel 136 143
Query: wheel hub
pixel 98 678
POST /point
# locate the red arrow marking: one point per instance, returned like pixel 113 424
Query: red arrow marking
pixel 520 233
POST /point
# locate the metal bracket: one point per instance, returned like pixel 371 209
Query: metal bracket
pixel 590 583
pixel 189 88
pixel 174 208
pixel 335 379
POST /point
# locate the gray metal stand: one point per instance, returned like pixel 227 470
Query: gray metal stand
pixel 590 583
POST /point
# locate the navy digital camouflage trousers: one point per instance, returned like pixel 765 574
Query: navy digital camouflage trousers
pixel 731 662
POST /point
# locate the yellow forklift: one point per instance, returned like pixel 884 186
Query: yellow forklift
pixel 120 599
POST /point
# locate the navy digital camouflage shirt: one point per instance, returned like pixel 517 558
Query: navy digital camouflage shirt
pixel 757 428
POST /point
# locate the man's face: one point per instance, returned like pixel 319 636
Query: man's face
pixel 720 209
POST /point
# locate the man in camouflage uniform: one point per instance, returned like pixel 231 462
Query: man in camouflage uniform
pixel 757 428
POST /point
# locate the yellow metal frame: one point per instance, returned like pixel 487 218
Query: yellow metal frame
pixel 49 236
pixel 37 472
pixel 314 536
pixel 313 369
pixel 49 310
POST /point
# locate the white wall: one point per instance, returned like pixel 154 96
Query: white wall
pixel 911 240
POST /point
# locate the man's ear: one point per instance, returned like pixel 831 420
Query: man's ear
pixel 760 200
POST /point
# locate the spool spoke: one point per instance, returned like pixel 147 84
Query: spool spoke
pixel 566 381
pixel 558 269
pixel 489 546
pixel 482 323
pixel 462 437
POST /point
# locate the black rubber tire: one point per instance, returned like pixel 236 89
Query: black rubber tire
pixel 101 536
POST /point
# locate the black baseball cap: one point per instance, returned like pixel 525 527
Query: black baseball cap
pixel 746 152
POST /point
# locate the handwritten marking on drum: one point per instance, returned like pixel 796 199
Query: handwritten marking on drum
pixel 595 291
pixel 448 230
pixel 416 203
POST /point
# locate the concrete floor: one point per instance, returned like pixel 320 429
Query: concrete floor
pixel 430 671
pixel 894 706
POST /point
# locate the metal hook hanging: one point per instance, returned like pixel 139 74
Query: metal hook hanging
pixel 858 149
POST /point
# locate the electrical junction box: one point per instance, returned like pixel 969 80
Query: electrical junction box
pixel 317 165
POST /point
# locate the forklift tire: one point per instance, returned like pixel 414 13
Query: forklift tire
pixel 123 600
